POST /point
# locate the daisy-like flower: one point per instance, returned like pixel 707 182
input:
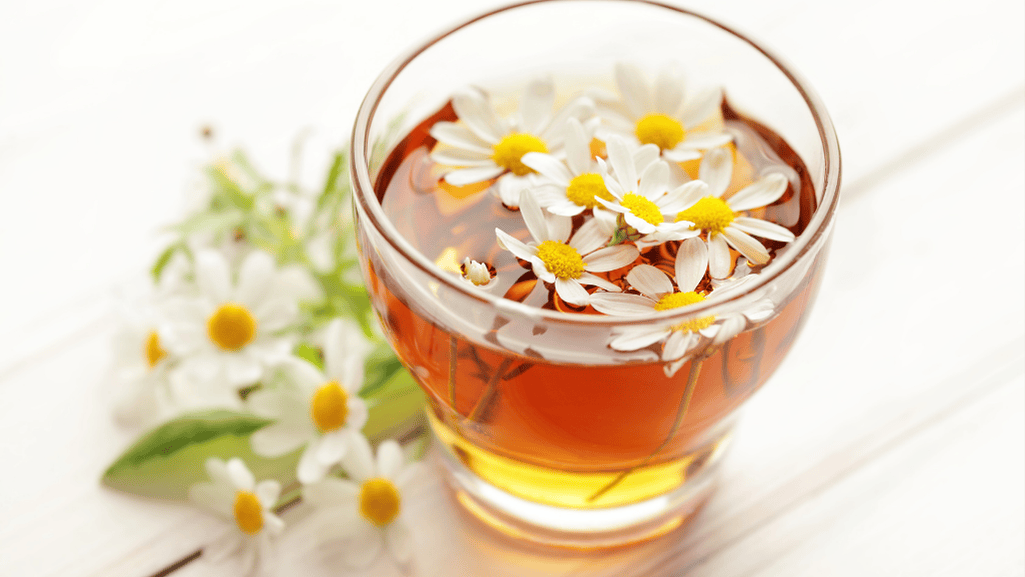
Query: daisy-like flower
pixel 227 337
pixel 658 294
pixel 663 116
pixel 486 146
pixel 364 514
pixel 570 188
pixel 567 265
pixel 721 220
pixel 143 367
pixel 234 495
pixel 644 202
pixel 321 410
pixel 476 273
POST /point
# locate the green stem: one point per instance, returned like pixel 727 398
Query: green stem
pixel 681 412
pixel 482 410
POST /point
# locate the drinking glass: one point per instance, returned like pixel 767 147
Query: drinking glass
pixel 549 434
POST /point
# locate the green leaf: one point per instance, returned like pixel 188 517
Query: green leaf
pixel 210 221
pixel 396 407
pixel 162 260
pixel 168 460
pixel 310 353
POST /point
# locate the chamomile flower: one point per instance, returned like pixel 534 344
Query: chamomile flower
pixel 567 265
pixel 365 513
pixel 234 495
pixel 143 366
pixel 662 115
pixel 476 273
pixel 644 202
pixel 228 336
pixel 319 410
pixel 572 187
pixel 721 220
pixel 485 146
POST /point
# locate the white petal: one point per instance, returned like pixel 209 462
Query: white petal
pixel 278 439
pixel 511 187
pixel 514 245
pixel 580 108
pixel 730 328
pixel 716 170
pixel 570 291
pixel 668 91
pixel 399 540
pixel 359 460
pixel 746 245
pixel 691 263
pixel 240 475
pixel 699 107
pixel 644 156
pixel 590 236
pixel 213 275
pixel 358 414
pixel 633 339
pixel 268 492
pixel 541 270
pixel 216 498
pixel 764 192
pixel 681 153
pixel 331 493
pixel 464 176
pixel 274 314
pixel 578 147
pixel 691 192
pixel 622 164
pixel 611 258
pixel 654 180
pixel 345 349
pixel 559 227
pixel 310 469
pixel 762 228
pixel 642 226
pixel 255 278
pixel 678 344
pixel 460 136
pixel 536 105
pixel 565 208
pixel 364 546
pixel 592 280
pixel 241 370
pixel 389 459
pixel 224 546
pixel 650 281
pixel 273 524
pixel 548 165
pixel 719 259
pixel 534 217
pixel 634 89
pixel 462 157
pixel 475 111
pixel 619 304
pixel 676 199
pixel 706 140
pixel 332 446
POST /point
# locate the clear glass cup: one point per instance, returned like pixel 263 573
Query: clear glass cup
pixel 550 434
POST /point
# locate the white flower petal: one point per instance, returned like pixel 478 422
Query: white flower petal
pixel 690 193
pixel 580 108
pixel 276 313
pixel 634 339
pixel 511 187
pixel 682 153
pixel 464 176
pixel 214 497
pixel 242 479
pixel 462 157
pixel 650 281
pixel 358 414
pixel 731 327
pixel 241 370
pixel 359 460
pixel 255 278
pixel 669 91
pixel 762 228
pixel 676 200
pixel 592 280
pixel 536 105
pixel 475 111
pixel 460 136
pixel 746 245
pixel 691 263
pixel 719 259
pixel 268 492
pixel 611 258
pixel 364 546
pixel 619 304
pixel 534 218
pixel 706 140
pixel 642 226
pixel 717 171
pixel 634 88
pixel 389 460
pixel 332 446
pixel 654 180
pixel 697 108
pixel 345 350
pixel 578 147
pixel 278 439
pixel 645 155
pixel 590 236
pixel 763 192
pixel 224 546
pixel 571 291
pixel 399 540
pixel 541 270
pixel 621 161
pixel 331 493
pixel 310 469
pixel 547 165
pixel 559 227
pixel 514 245
pixel 678 344
pixel 213 275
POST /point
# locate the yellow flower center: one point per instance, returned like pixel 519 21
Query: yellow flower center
pixel 154 352
pixel 709 214
pixel 677 300
pixel 584 189
pixel 379 501
pixel 642 208
pixel 248 513
pixel 661 130
pixel 231 327
pixel 330 407
pixel 561 259
pixel 511 149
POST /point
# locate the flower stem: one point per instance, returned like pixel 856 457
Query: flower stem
pixel 482 411
pixel 681 411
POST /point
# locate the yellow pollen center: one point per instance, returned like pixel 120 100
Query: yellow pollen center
pixel 248 513
pixel 677 300
pixel 511 149
pixel 231 327
pixel 709 214
pixel 154 352
pixel 642 208
pixel 583 190
pixel 379 501
pixel 661 130
pixel 561 259
pixel 330 407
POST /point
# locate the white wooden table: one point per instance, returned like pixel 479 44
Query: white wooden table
pixel 891 441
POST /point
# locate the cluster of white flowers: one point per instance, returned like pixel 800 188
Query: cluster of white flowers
pixel 589 210
pixel 255 311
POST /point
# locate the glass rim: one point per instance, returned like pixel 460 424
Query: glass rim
pixel 799 250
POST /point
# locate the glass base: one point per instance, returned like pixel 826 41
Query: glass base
pixel 575 527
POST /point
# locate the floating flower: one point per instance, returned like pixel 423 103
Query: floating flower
pixel 486 146
pixel 644 202
pixel 228 336
pixel 476 273
pixel 234 495
pixel 721 220
pixel 365 513
pixel 321 410
pixel 663 116
pixel 567 265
